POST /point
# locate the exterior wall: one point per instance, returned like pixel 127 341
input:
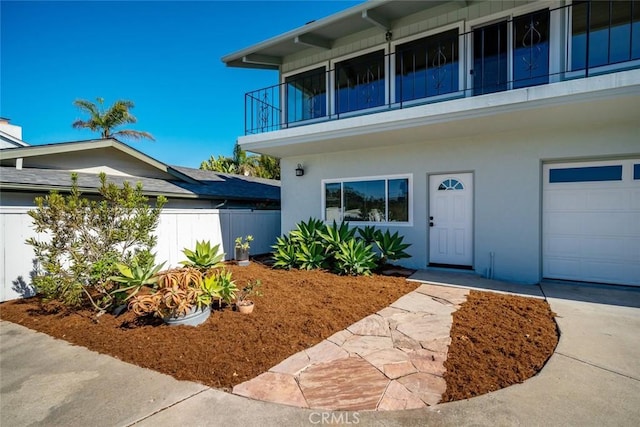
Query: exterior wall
pixel 109 160
pixel 178 228
pixel 507 179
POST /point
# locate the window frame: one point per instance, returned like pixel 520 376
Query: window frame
pixel 509 15
pixel 570 73
pixel 393 96
pixel 283 94
pixel 386 179
pixel 332 110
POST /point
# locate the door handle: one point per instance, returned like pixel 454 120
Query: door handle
pixel 431 224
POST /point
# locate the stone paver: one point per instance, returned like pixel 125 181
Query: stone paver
pixel 427 387
pixel 273 387
pixel 397 397
pixel 347 384
pixel 371 325
pixel 391 360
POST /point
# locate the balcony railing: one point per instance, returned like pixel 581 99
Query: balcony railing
pixel 599 37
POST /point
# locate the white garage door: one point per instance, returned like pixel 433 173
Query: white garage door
pixel 591 222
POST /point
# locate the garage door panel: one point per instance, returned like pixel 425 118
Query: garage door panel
pixel 591 230
pixel 565 200
pixel 635 199
pixel 608 200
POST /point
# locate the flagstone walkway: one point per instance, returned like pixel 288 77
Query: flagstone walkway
pixel 391 360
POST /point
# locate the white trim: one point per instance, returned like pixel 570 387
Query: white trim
pixel 386 178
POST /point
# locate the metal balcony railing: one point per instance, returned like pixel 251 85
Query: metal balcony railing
pixel 546 46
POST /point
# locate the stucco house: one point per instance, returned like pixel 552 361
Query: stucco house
pixel 500 137
pixel 202 205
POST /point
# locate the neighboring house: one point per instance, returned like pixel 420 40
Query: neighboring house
pixel 202 205
pixel 34 170
pixel 501 137
pixel 10 135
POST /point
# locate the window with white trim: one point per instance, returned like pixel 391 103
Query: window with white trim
pixel 375 200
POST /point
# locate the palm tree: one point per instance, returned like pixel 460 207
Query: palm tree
pixel 103 121
pixel 240 163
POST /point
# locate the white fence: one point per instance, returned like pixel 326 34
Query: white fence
pixel 178 229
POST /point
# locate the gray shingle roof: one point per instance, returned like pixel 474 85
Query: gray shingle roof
pixel 211 185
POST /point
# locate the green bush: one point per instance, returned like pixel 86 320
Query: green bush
pixel 285 253
pixel 313 245
pixel 390 246
pixel 311 257
pixel 87 238
pixel 204 256
pixel 354 258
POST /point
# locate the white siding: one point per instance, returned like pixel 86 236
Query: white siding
pixel 178 228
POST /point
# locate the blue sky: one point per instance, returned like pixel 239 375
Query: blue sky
pixel 164 56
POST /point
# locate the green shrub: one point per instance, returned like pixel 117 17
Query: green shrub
pixel 87 238
pixel 390 246
pixel 285 253
pixel 133 277
pixel 311 257
pixel 204 256
pixel 309 232
pixel 335 234
pixel 368 234
pixel 354 258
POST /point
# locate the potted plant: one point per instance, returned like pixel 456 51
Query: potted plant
pixel 242 249
pixel 184 295
pixel 243 302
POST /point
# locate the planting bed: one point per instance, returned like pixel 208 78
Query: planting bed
pixel 497 340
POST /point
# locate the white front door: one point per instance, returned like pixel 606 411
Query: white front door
pixel 451 219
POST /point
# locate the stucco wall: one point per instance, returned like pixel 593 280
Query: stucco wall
pixel 507 173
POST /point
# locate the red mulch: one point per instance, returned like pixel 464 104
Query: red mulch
pixel 490 348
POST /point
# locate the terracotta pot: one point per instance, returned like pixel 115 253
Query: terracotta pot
pixel 194 317
pixel 245 308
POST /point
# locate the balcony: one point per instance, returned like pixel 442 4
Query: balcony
pixel 547 46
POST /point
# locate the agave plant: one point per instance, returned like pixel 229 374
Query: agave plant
pixel 309 232
pixel 368 234
pixel 204 256
pixel 354 258
pixel 334 235
pixel 311 257
pixel 218 286
pixel 285 253
pixel 133 277
pixel 391 246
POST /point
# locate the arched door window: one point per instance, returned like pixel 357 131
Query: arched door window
pixel 451 184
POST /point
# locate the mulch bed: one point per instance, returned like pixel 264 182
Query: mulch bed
pixel 490 348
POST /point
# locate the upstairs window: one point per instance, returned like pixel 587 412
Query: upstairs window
pixel 360 82
pixel 306 95
pixel 604 32
pixel 427 67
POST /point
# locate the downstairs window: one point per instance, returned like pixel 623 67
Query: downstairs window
pixel 374 200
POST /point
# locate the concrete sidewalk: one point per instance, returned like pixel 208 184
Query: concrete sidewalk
pixel 593 378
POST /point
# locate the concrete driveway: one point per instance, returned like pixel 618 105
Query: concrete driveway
pixel 593 378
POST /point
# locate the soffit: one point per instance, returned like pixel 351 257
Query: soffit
pixel 321 34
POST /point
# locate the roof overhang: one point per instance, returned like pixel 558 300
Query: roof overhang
pixel 75 146
pixel 321 34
